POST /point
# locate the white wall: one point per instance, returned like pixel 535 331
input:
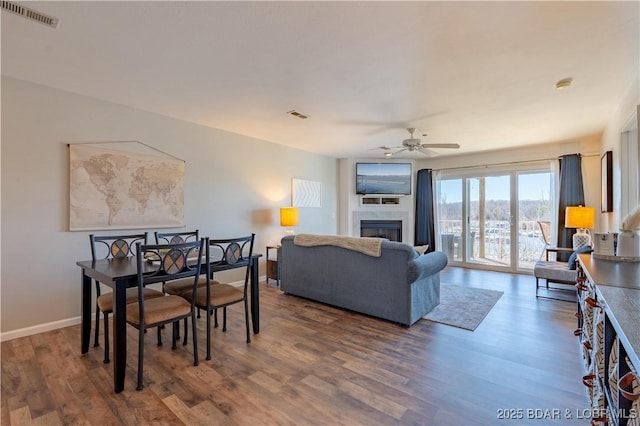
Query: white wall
pixel 350 202
pixel 234 185
pixel 629 106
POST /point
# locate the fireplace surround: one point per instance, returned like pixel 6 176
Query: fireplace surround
pixel 382 216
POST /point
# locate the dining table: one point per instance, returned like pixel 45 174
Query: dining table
pixel 122 273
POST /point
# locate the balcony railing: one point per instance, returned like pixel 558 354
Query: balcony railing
pixel 497 242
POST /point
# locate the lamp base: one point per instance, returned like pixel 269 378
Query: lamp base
pixel 581 238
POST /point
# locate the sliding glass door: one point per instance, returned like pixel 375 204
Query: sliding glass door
pixel 535 191
pixel 450 196
pixel 490 221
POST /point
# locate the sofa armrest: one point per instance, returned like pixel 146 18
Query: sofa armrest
pixel 426 265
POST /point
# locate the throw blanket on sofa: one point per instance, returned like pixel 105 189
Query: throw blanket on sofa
pixel 368 246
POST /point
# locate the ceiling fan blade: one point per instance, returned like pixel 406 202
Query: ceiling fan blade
pixel 385 148
pixel 441 145
pixel 427 152
pixel 398 152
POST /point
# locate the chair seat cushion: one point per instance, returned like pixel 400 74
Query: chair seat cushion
pixel 177 287
pixel 554 271
pixel 221 294
pixel 159 310
pixel 105 301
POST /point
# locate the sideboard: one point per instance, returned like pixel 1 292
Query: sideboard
pixel 609 332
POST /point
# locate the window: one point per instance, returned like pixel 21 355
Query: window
pixel 490 219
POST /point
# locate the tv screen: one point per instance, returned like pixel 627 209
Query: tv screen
pixel 383 178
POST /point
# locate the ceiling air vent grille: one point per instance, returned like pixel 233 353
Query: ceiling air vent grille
pixel 297 114
pixel 34 15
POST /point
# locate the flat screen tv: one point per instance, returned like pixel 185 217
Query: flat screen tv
pixel 383 178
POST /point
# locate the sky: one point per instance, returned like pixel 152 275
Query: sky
pixel 531 186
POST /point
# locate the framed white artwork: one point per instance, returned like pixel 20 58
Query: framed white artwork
pixel 306 193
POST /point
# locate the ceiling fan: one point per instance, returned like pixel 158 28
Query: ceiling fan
pixel 415 144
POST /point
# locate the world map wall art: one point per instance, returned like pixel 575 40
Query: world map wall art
pixel 114 189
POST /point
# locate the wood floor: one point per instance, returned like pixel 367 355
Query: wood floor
pixel 313 364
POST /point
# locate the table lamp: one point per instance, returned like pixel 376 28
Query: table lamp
pixel 582 218
pixel 288 218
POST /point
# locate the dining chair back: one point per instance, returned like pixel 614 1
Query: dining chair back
pixel 222 255
pixel 114 247
pixel 177 287
pixel 176 237
pixel 169 262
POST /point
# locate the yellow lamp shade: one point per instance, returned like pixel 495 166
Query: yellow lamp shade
pixel 580 217
pixel 288 216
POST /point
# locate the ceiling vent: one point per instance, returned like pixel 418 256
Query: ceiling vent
pixel 297 114
pixel 34 15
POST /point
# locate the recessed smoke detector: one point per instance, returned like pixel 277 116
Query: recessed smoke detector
pixel 28 13
pixel 564 83
pixel 297 114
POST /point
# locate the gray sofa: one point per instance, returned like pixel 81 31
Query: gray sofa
pixel 399 286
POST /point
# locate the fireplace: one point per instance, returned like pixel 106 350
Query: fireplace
pixel 390 229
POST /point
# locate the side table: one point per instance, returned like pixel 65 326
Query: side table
pixel 273 271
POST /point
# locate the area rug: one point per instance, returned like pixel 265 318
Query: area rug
pixel 463 307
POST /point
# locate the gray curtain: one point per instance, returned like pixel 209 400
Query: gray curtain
pixel 571 194
pixel 424 218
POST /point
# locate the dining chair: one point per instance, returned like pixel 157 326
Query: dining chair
pixel 114 247
pixel 178 287
pixel 224 254
pixel 173 261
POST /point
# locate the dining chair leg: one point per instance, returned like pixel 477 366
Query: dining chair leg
pixel 160 336
pixel 106 338
pixel 246 319
pixel 140 357
pixel 176 327
pixel 195 338
pixel 186 333
pixel 215 312
pixel 224 319
pixel 208 334
pixel 96 341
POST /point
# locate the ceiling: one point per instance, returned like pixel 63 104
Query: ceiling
pixel 481 74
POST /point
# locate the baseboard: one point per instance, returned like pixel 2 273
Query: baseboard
pixel 40 328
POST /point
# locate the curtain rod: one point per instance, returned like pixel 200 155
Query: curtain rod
pixel 509 163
